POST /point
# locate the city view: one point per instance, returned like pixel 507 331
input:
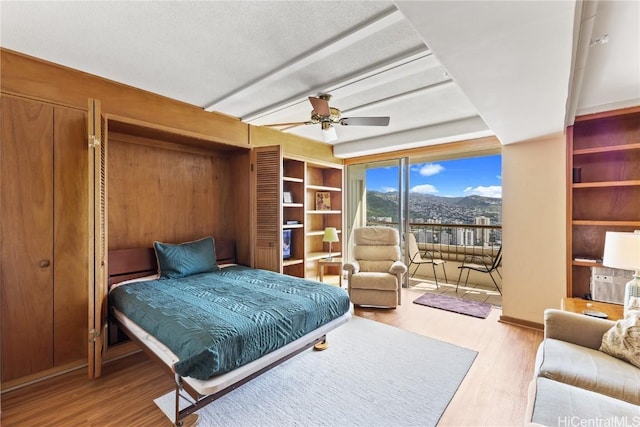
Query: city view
pixel 444 197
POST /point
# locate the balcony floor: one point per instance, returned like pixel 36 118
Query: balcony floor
pixel 420 284
pixel 471 291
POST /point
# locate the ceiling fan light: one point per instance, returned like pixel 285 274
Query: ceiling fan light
pixel 328 132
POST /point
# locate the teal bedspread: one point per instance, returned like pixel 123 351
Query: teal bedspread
pixel 216 322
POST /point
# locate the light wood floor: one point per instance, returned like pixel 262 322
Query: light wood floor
pixel 492 394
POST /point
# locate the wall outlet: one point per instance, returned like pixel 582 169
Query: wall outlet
pixel 603 278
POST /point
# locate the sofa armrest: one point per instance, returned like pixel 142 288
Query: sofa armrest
pixel 575 328
pixel 352 267
pixel 398 267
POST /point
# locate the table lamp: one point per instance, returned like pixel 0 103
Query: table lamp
pixel 330 235
pixel 622 250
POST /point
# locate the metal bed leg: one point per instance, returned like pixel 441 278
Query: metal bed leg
pixel 190 420
pixel 322 345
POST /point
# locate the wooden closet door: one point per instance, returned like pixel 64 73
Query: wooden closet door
pixel 26 227
pixel 71 236
pixel 268 207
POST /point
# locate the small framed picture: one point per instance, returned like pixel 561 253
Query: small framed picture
pixel 323 201
pixel 287 197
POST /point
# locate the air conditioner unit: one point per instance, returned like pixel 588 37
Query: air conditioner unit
pixel 607 284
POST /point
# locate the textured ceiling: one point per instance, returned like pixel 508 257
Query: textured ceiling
pixel 443 71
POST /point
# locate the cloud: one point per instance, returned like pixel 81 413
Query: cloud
pixel 481 190
pixel 429 169
pixel 424 189
pixel 388 189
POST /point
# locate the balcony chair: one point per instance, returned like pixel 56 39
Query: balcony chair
pixel 482 264
pixel 429 257
pixel 376 271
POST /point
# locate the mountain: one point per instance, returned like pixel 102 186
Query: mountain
pixel 425 207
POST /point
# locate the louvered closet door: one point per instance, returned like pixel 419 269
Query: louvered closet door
pixel 268 208
pixel 97 140
pixel 26 246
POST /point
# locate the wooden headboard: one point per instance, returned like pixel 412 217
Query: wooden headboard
pixel 125 264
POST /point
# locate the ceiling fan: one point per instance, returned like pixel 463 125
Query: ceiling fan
pixel 327 116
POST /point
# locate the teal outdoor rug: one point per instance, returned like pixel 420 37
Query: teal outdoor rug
pixel 372 374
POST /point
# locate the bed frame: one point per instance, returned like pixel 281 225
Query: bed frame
pixel 134 263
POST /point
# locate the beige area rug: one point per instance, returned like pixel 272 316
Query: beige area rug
pixel 365 378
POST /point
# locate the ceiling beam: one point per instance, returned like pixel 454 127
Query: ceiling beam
pixel 396 62
pixel 456 130
pixel 361 32
pixel 390 99
pixel 585 19
pixel 484 146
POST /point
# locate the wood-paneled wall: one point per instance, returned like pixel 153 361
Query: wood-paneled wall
pixel 170 195
pixel 293 146
pixel 35 78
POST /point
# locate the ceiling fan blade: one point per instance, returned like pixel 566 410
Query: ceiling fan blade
pixel 320 106
pixel 365 121
pixel 280 125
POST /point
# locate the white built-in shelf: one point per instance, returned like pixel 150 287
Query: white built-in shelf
pixel 292 205
pixel 318 232
pixel 323 212
pixel 607 149
pixel 592 222
pixel 323 188
pixel 586 264
pixel 607 184
pixel 287 226
pixel 314 256
pixel 292 179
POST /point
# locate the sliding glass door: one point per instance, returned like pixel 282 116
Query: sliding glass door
pixel 377 195
pixel 452 204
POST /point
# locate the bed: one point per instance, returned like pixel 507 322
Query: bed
pixel 216 325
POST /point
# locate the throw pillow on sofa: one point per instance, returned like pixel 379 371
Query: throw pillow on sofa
pixel 623 339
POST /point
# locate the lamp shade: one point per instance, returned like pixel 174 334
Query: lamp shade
pixel 622 250
pixel 330 235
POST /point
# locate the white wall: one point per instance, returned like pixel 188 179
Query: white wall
pixel 533 227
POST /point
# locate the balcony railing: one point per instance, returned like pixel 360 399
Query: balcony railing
pixel 454 241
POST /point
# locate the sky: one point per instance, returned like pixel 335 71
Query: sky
pixel 480 176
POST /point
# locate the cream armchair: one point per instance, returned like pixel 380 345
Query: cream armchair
pixel 376 271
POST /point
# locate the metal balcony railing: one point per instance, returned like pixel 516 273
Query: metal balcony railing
pixel 454 241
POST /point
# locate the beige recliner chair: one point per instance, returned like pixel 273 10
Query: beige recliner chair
pixel 376 271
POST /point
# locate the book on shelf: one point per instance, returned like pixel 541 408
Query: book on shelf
pixel 323 201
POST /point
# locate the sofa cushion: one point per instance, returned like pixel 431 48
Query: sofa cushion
pixel 623 339
pixel 559 404
pixel 589 369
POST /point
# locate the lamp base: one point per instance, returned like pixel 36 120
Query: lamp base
pixel 631 295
